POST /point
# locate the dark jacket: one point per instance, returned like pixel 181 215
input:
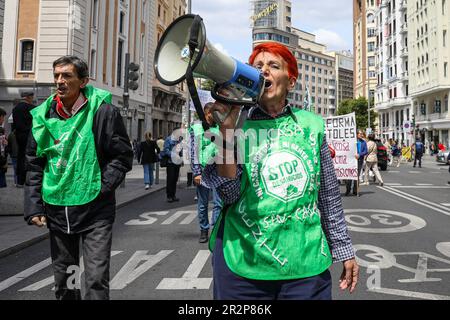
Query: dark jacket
pixel 22 122
pixel 148 151
pixel 115 157
pixel 12 147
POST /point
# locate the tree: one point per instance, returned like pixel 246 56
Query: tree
pixel 207 84
pixel 359 106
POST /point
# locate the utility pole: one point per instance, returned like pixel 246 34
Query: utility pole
pixel 126 99
pixel 368 105
pixel 188 105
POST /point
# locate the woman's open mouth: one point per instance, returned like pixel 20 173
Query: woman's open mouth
pixel 267 84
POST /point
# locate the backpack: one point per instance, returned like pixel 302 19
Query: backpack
pixel 395 150
pixel 419 147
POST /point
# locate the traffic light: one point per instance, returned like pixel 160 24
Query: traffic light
pixel 133 76
pixel 413 121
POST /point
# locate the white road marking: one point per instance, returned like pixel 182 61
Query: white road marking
pixel 417 200
pixel 24 274
pixel 51 280
pixel 384 217
pixel 190 278
pixel 410 294
pixel 446 204
pixel 444 248
pixel 191 215
pixel 414 171
pixel 424 184
pixel 392 184
pixel 148 219
pixel 422 187
pixel 393 171
pixel 130 271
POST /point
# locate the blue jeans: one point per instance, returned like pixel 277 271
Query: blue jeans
pixel 148 173
pixel 202 206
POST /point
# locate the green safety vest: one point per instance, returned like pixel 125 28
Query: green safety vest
pixel 273 232
pixel 72 175
pixel 205 149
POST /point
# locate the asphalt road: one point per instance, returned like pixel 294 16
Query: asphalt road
pixel 400 233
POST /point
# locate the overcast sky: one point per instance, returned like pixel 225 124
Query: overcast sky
pixel 228 23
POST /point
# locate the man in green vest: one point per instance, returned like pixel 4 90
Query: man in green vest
pixel 202 152
pixel 77 155
pixel 283 224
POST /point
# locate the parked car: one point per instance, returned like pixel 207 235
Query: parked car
pixel 382 155
pixel 442 156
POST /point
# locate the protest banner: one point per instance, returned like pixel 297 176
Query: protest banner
pixel 205 97
pixel 340 132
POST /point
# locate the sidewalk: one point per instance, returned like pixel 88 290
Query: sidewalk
pixel 15 234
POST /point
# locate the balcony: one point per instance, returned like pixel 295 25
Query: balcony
pixel 404 28
pixel 404 52
pixel 405 76
pixel 403 5
pixel 393 79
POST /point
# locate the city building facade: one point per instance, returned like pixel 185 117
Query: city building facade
pixel 344 75
pixel 100 32
pixel 364 40
pixel 2 15
pixel 429 58
pixel 392 101
pixel 168 101
pixel 271 21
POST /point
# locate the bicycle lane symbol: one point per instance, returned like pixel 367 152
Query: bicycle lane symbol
pixel 377 259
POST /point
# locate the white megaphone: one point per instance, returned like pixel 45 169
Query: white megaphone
pixel 184 48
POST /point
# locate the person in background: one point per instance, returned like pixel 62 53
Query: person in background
pixel 372 161
pixel 283 223
pixel 361 147
pixel 396 154
pixel 3 151
pixel 448 162
pixel 419 148
pixel 160 142
pixel 173 152
pixel 148 155
pixel 22 122
pixel 78 153
pixel 203 150
pixel 12 150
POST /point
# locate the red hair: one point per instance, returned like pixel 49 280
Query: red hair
pixel 279 50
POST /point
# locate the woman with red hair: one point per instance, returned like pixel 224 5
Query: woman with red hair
pixel 283 223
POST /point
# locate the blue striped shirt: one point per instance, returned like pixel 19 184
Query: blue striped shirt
pixel 329 202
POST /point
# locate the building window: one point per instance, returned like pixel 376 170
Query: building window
pixel 444 38
pixel 95 14
pixel 93 64
pixel 122 22
pixel 120 62
pixel 27 55
pixel 445 69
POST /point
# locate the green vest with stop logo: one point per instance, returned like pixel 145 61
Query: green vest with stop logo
pixel 206 150
pixel 72 175
pixel 273 232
